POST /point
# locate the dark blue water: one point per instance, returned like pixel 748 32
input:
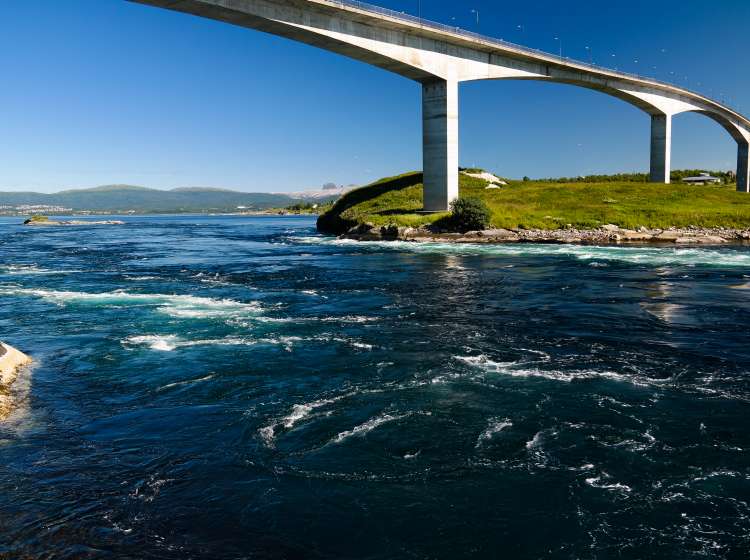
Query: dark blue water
pixel 216 387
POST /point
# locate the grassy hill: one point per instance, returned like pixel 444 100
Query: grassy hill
pixel 548 205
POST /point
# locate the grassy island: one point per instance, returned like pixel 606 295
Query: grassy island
pixel 547 205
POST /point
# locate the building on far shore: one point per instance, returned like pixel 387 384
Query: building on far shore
pixel 702 179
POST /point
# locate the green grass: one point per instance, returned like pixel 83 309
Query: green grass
pixel 546 205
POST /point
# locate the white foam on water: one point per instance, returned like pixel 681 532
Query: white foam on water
pixel 586 467
pixel 495 426
pixel 522 369
pixel 596 482
pixel 187 382
pixel 347 319
pixel 164 343
pixel 29 270
pixel 214 279
pixel 141 278
pixel 268 434
pixel 170 342
pixel 535 442
pixel 302 411
pixel 649 256
pixel 368 426
pixel 351 342
pixel 298 413
pixel 720 473
pixel 175 305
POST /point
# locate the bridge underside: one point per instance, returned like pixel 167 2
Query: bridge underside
pixel 440 58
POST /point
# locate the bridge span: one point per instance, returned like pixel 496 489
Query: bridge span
pixel 440 57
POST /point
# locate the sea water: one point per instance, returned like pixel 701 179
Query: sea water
pixel 242 387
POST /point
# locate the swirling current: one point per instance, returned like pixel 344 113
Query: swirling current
pixel 241 387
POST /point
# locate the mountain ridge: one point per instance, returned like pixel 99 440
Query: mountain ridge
pixel 137 199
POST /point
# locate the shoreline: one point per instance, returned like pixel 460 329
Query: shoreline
pixel 11 361
pixel 606 235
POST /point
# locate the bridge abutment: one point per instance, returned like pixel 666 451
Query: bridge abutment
pixel 440 144
pixel 661 148
pixel 743 167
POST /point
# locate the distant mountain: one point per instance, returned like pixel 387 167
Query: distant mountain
pixel 129 198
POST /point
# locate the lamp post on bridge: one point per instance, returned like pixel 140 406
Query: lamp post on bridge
pixel 559 41
pixel 476 12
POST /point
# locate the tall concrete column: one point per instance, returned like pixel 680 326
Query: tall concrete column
pixel 743 167
pixel 440 144
pixel 661 148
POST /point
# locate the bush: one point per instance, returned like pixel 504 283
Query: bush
pixel 469 214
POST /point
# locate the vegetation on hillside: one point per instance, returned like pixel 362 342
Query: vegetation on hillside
pixel 470 214
pixel 309 207
pixel 677 175
pixel 37 219
pixel 547 205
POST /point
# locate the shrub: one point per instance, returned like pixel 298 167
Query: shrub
pixel 469 214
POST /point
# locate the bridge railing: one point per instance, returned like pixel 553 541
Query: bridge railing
pixel 500 42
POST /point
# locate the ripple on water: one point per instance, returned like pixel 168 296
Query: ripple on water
pixel 647 256
pixel 181 306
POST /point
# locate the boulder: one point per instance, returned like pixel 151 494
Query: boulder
pixel 630 235
pixel 406 232
pixel 701 239
pixel 668 236
pixel 389 231
pixel 360 229
pixel 499 234
pixel 10 361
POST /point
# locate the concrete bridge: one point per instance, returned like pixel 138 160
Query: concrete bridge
pixel 440 57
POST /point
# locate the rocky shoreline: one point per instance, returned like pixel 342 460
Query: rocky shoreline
pixel 606 235
pixel 11 360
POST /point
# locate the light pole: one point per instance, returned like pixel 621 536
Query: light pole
pixel 591 55
pixel 476 12
pixel 664 60
pixel 559 41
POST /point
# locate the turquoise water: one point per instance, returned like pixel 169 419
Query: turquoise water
pixel 241 387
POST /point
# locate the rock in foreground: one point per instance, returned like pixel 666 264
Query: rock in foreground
pixel 10 362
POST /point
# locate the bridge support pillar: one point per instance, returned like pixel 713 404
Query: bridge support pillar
pixel 661 148
pixel 440 144
pixel 743 167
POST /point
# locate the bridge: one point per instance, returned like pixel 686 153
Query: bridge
pixel 440 57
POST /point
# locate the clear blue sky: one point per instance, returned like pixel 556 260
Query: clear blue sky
pixel 104 91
